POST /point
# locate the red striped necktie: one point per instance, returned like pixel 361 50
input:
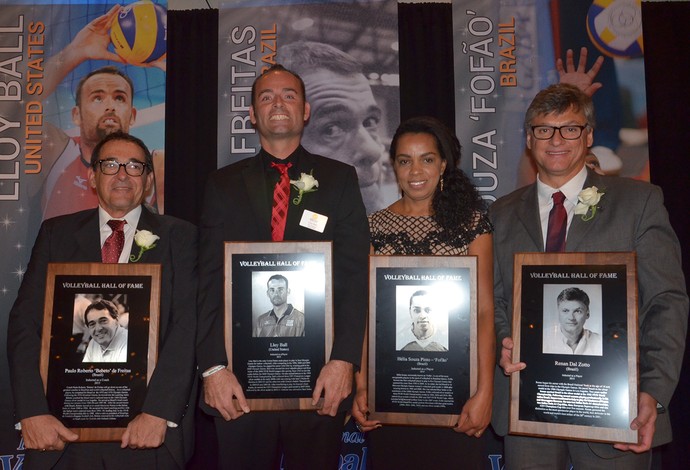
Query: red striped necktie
pixel 281 197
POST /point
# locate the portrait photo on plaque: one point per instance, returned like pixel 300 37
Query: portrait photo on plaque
pixel 422 319
pixel 99 344
pixel 575 326
pixel 278 301
pixel 279 320
pixel 572 319
pixel 422 338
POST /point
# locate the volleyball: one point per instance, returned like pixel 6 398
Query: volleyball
pixel 615 27
pixel 139 32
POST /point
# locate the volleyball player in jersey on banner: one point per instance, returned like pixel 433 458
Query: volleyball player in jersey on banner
pixel 104 103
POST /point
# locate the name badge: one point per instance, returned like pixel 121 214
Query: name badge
pixel 290 323
pixel 313 221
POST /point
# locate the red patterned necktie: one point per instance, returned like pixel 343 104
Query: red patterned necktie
pixel 558 221
pixel 281 197
pixel 112 248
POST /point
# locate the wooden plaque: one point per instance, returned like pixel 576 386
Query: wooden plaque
pixel 580 390
pixel 278 359
pixel 422 364
pixel 96 364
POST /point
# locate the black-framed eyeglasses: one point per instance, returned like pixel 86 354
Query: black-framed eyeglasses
pixel 112 167
pixel 570 132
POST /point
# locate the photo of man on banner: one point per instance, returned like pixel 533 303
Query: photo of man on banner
pixel 106 89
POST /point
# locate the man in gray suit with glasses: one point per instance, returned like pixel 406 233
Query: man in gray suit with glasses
pixel 589 213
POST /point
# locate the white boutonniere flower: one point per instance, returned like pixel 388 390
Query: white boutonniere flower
pixel 146 241
pixel 305 184
pixel 587 202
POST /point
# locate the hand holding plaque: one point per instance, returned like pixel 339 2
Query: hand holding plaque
pixel 145 431
pixel 46 432
pixel 643 424
pixel 219 391
pixel 506 361
pixel 335 382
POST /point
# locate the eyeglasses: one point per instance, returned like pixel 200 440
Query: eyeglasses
pixel 112 167
pixel 567 132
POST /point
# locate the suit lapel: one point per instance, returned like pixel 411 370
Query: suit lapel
pixel 528 214
pixel 579 228
pixel 147 221
pixel 306 165
pixel 255 181
pixel 88 240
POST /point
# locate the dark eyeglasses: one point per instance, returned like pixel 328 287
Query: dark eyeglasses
pixel 112 167
pixel 570 132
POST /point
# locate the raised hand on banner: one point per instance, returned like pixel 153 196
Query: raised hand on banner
pixel 579 77
pixel 93 40
pixel 90 43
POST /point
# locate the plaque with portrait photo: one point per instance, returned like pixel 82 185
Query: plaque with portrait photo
pixel 278 320
pixel 99 344
pixel 422 364
pixel 575 326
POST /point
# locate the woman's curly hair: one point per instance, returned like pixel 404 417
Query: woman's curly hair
pixel 456 207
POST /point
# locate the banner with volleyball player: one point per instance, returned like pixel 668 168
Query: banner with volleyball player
pixel 70 73
pixel 505 52
pixel 346 53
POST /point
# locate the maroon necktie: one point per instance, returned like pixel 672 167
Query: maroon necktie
pixel 281 196
pixel 112 248
pixel 558 221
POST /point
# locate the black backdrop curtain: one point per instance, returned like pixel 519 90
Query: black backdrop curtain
pixel 667 67
pixel 425 34
pixel 426 87
pixel 191 112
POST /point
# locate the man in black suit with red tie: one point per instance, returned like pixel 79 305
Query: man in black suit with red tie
pixel 243 202
pixel 159 436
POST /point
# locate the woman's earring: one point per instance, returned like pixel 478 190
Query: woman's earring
pixel 441 184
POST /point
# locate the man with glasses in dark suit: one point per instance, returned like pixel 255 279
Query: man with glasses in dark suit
pixel 159 436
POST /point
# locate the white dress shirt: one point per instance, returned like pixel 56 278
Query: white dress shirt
pixel 130 228
pixel 570 189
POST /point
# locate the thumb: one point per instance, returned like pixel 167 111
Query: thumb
pixel 316 395
pixel 67 435
pixel 640 420
pixel 125 439
pixel 243 404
